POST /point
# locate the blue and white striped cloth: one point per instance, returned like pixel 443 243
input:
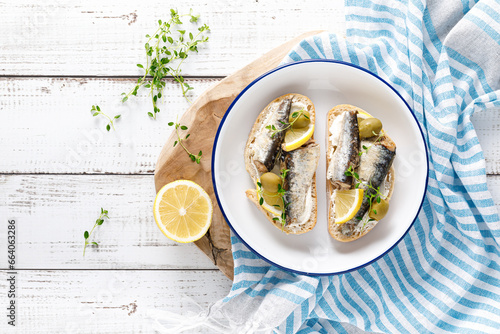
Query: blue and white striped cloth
pixel 443 57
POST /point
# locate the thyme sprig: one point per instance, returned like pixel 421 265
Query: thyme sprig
pixel 178 126
pixel 166 51
pixel 96 111
pixel 281 194
pixel 98 222
pixel 295 116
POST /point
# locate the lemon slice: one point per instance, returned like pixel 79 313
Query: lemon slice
pixel 295 138
pixel 347 204
pixel 183 211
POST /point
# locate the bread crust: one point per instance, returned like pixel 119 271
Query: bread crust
pixel 335 230
pixel 254 174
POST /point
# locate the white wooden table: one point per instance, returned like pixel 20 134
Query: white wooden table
pixel 58 165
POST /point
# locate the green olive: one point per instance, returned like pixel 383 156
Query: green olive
pixel 300 121
pixel 273 199
pixel 270 182
pixel 369 127
pixel 379 210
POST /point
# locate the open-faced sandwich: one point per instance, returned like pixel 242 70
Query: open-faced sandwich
pixel 281 158
pixel 360 175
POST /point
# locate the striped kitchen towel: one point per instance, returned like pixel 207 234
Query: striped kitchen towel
pixel 443 57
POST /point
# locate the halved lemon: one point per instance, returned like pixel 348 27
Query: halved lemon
pixel 347 204
pixel 183 211
pixel 295 138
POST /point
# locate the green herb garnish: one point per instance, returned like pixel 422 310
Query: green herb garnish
pixel 194 158
pixel 287 125
pixel 99 221
pixel 96 111
pixel 166 50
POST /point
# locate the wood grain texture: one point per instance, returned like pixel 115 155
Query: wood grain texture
pixel 493 182
pixel 106 301
pixel 46 126
pixel 487 126
pixel 53 211
pixel 203 119
pixel 106 38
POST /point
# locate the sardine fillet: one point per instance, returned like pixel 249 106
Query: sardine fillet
pixel 272 143
pixel 301 164
pixel 373 168
pixel 346 153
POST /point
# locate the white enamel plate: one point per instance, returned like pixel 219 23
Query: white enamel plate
pixel 327 83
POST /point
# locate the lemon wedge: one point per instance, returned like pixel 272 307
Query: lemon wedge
pixel 347 204
pixel 183 211
pixel 295 138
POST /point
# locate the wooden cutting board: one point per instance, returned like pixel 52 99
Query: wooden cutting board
pixel 202 119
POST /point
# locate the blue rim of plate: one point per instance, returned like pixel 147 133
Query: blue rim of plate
pixel 215 149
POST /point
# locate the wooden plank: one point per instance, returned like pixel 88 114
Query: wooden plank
pixel 53 211
pixel 493 182
pixel 106 38
pixel 47 126
pixel 487 125
pixel 106 301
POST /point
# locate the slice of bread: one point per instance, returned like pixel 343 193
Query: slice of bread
pixel 356 232
pixel 255 172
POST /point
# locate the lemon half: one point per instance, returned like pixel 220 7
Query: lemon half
pixel 183 211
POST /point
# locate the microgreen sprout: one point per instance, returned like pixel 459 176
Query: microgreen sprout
pixel 98 222
pixel 166 50
pixel 281 194
pixel 178 126
pixel 295 115
pixel 96 111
